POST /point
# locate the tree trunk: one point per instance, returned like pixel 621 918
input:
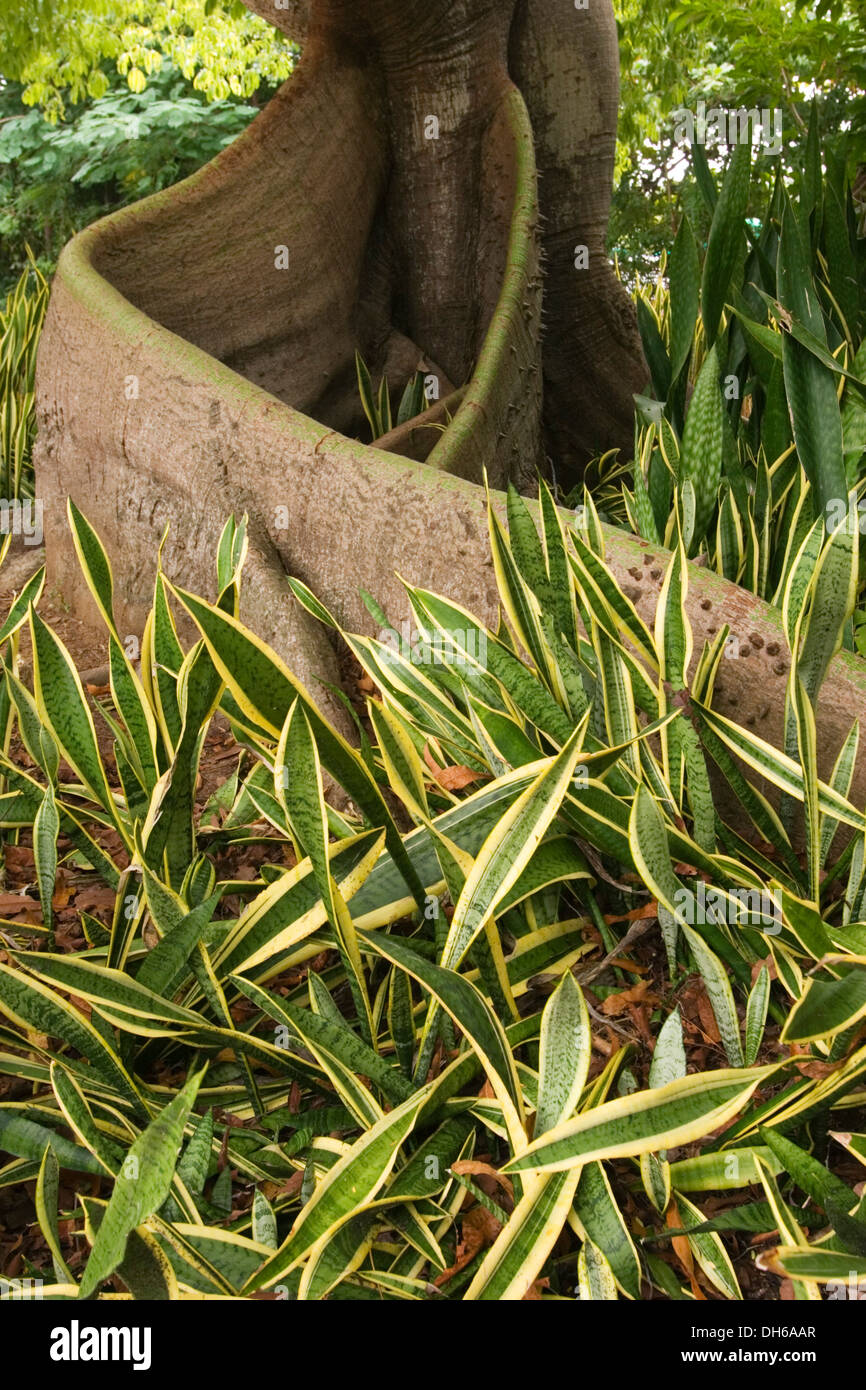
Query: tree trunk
pixel 417 139
pixel 445 245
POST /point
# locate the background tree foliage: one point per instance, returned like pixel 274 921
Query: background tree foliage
pixel 56 178
pixel 61 52
pixel 102 104
pixel 754 53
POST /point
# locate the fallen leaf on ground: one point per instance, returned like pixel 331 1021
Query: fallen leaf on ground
pixel 473 1167
pixel 636 915
pixel 618 1003
pixel 453 779
pixel 94 900
pixel 13 904
pixel 683 1252
pixel 63 890
pixel 19 860
pixel 478 1228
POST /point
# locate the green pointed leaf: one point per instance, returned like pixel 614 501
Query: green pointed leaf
pixel 350 1184
pixel 646 1121
pixel 517 1255
pixel 726 240
pixel 266 690
pixel 565 1048
pixel 509 849
pixel 141 1186
pixel 473 1016
pixel 701 460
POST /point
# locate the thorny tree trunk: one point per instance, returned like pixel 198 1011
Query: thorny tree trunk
pixel 412 145
pixel 439 71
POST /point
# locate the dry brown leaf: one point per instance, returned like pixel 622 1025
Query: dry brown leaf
pixel 19 859
pixel 479 1228
pixel 83 1005
pixel 771 968
pixel 817 1070
pixel 453 779
pixel 698 1010
pixel 94 899
pixel 641 1019
pixel 291 1185
pixel 619 1003
pixel 623 963
pixel 13 904
pixel 708 1019
pixel 683 1252
pixel 62 890
pixel 474 1167
pixel 650 909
